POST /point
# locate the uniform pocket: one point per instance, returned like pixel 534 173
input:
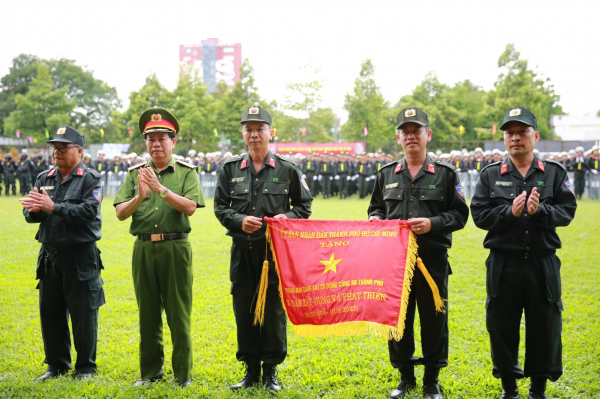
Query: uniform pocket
pixel 493 264
pixel 96 292
pixel 239 195
pixel 73 195
pixel 275 196
pixel 393 198
pixel 551 266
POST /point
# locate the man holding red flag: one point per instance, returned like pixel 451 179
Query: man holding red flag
pixel 250 187
pixel 429 195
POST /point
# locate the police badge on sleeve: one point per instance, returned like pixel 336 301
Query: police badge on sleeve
pixel 568 184
pixel 97 193
pixel 460 191
pixel 305 185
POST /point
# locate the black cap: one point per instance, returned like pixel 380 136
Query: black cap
pixel 256 113
pixel 520 114
pixel 66 134
pixel 8 155
pixel 412 115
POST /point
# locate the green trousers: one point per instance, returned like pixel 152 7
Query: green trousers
pixel 162 278
pixel 343 185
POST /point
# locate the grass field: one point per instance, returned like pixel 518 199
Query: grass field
pixel 353 367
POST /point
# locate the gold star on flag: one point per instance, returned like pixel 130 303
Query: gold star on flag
pixel 330 264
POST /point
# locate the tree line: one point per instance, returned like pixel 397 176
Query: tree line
pixel 38 95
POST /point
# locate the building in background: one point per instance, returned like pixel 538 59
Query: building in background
pixel 580 128
pixel 213 61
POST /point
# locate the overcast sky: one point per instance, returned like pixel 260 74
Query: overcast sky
pixel 125 41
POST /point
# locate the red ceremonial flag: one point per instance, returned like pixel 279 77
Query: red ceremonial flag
pixel 341 277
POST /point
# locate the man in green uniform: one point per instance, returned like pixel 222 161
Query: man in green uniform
pixel 429 195
pixel 161 195
pixel 66 203
pixel 250 187
pixel 343 175
pixel 520 202
pixel 310 167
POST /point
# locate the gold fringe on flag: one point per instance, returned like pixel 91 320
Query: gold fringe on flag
pixel 353 327
pixel 439 302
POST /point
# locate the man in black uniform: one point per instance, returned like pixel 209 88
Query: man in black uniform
pixel 580 166
pixel 26 168
pixel 310 167
pixel 364 171
pixel 250 187
pixel 520 201
pixel 66 203
pixel 10 174
pixel 343 173
pixel 325 175
pixel 40 165
pixel 429 195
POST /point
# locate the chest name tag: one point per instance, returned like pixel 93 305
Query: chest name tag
pixel 391 185
pixel 504 183
pixel 47 188
pixel 238 179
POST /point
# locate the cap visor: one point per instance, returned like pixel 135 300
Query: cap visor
pixel 415 121
pixel 516 120
pixel 159 130
pixel 60 140
pixel 256 120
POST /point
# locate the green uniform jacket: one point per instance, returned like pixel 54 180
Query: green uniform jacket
pixel 155 215
pixel 276 188
pixel 434 193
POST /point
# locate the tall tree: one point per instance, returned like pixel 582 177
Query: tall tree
pixel 41 108
pixel 367 107
pixel 17 81
pixel 518 86
pixel 303 100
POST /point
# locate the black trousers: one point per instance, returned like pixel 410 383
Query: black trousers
pixel 63 295
pixel 10 181
pixel 532 286
pixel 267 343
pixel 343 185
pixel 579 183
pixel 434 326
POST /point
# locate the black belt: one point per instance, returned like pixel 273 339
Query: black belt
pixel 162 237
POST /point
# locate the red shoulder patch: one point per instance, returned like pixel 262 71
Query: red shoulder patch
pixel 541 165
pixel 504 169
pixel 244 164
pixel 79 171
pixel 398 167
pixel 271 162
pixel 431 168
pixel 52 172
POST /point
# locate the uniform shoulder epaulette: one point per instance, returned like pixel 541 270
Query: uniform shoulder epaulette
pixel 388 165
pixel 137 166
pixel 45 171
pixel 94 172
pixel 556 163
pixel 284 158
pixel 189 165
pixel 446 164
pixel 233 159
pixel 487 166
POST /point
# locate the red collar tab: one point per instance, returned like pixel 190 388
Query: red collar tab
pixel 398 167
pixel 271 162
pixel 244 164
pixel 541 165
pixel 52 172
pixel 504 169
pixel 79 171
pixel 431 168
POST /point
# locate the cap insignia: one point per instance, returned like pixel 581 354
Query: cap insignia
pixel 409 113
pixel 514 112
pixel 253 111
pixel 61 130
pixel 156 118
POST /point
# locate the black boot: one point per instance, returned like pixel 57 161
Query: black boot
pixel 510 390
pixel 537 389
pixel 431 385
pixel 268 378
pixel 251 378
pixel 408 382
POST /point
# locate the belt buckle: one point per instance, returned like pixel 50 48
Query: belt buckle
pixel 157 237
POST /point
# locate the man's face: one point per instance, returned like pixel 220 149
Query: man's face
pixel 520 139
pixel 580 153
pixel 595 153
pixel 413 137
pixel 101 158
pixel 257 135
pixel 117 159
pixel 160 146
pixel 479 155
pixel 68 159
pixel 496 157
